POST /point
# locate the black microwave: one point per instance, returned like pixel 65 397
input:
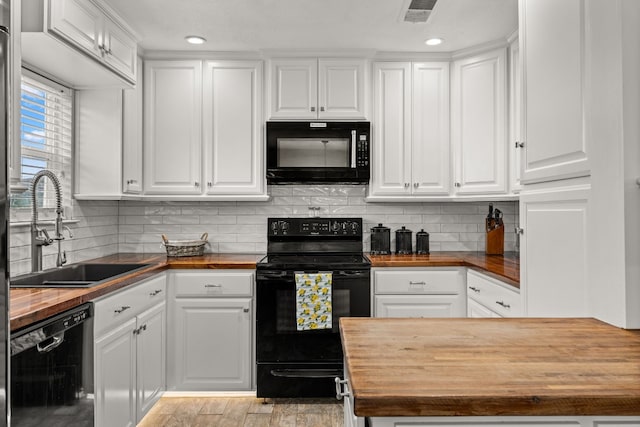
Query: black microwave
pixel 318 152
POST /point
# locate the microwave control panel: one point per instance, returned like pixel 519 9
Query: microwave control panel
pixel 362 151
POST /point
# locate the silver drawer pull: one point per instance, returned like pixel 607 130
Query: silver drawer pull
pixel 412 283
pixel 212 286
pixel 121 309
pixel 502 303
pixel 339 389
pixel 156 292
pixel 474 289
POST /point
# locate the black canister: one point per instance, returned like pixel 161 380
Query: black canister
pixel 380 240
pixel 422 242
pixel 403 241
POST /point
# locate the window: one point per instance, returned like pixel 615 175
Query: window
pixel 46 131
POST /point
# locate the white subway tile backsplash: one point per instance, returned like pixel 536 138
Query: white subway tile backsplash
pixel 106 227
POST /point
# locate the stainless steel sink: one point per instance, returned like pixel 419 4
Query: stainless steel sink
pixel 75 276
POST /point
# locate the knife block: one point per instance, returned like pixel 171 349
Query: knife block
pixel 495 241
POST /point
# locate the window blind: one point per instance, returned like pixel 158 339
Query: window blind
pixel 46 133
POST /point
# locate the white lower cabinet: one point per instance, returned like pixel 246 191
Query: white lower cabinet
pixel 419 292
pixel 129 352
pixel 488 297
pixel 211 337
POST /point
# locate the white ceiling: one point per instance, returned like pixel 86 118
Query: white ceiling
pixel 241 25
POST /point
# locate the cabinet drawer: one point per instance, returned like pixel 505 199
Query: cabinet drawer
pixel 206 283
pixel 431 281
pixel 114 309
pixel 498 297
pixel 419 306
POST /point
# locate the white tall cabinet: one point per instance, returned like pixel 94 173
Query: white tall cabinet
pixel 172 127
pixel 478 123
pixel 410 129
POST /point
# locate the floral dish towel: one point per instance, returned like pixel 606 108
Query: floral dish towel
pixel 313 301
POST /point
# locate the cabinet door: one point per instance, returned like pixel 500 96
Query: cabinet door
pixel 115 377
pixel 479 123
pixel 233 127
pixel 172 137
pixel 391 142
pixel 151 358
pixel 552 43
pixel 79 22
pixel 120 49
pixel 430 123
pixel 515 117
pixel 341 89
pixel 419 306
pixel 477 310
pixel 553 248
pixel 294 88
pixel 211 344
pixel 132 136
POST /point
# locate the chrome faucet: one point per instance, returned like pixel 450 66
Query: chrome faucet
pixel 40 236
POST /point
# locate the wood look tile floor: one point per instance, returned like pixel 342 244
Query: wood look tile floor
pixel 243 412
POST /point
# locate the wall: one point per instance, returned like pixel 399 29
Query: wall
pixel 95 234
pixel 104 227
pixel 241 226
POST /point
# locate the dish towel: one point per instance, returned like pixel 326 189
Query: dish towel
pixel 313 300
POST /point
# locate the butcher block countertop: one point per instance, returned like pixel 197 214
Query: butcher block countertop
pixel 29 305
pixel 491 367
pixel 503 267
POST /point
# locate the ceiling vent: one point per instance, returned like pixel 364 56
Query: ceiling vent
pixel 419 11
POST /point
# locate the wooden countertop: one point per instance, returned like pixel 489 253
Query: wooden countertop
pixel 490 367
pixel 503 267
pixel 29 305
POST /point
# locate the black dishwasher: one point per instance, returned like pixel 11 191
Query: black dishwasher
pixel 52 371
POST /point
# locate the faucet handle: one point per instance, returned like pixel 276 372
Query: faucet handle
pixel 64 227
pixel 44 237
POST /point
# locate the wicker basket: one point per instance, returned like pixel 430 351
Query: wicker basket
pixel 185 247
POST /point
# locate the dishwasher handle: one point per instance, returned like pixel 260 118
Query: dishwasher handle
pixel 56 340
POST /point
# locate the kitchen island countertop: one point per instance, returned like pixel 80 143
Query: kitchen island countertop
pixel 491 367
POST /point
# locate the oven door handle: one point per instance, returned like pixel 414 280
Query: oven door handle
pixel 57 340
pixel 307 373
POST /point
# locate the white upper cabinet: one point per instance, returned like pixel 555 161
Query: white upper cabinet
pixel 233 127
pixel 554 78
pixel 132 118
pixel 430 159
pixel 515 117
pixel 172 128
pixel 50 28
pixel 479 123
pixel 391 129
pixel 317 89
pixel 411 129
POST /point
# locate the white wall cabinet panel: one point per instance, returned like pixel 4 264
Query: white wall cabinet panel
pixel 98 144
pixel 479 125
pixel 78 21
pixel 120 51
pixel 233 127
pixel 391 133
pixel 554 81
pixel 132 162
pixel 430 148
pixel 554 247
pixel 294 85
pixel 341 90
pixel 310 88
pixel 172 131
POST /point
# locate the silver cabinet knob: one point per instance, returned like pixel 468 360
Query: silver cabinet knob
pixel 519 144
pixel 321 108
pixel 406 185
pixel 196 184
pixel 313 108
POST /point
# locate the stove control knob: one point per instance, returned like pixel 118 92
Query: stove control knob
pixel 335 226
pixel 284 225
pixel 354 226
pixel 274 227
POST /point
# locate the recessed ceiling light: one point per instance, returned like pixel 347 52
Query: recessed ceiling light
pixel 434 41
pixel 195 39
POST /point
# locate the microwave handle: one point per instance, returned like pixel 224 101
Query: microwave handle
pixel 353 149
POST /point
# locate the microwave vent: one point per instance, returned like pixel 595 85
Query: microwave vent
pixel 419 11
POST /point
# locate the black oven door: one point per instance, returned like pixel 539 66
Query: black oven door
pixel 277 337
